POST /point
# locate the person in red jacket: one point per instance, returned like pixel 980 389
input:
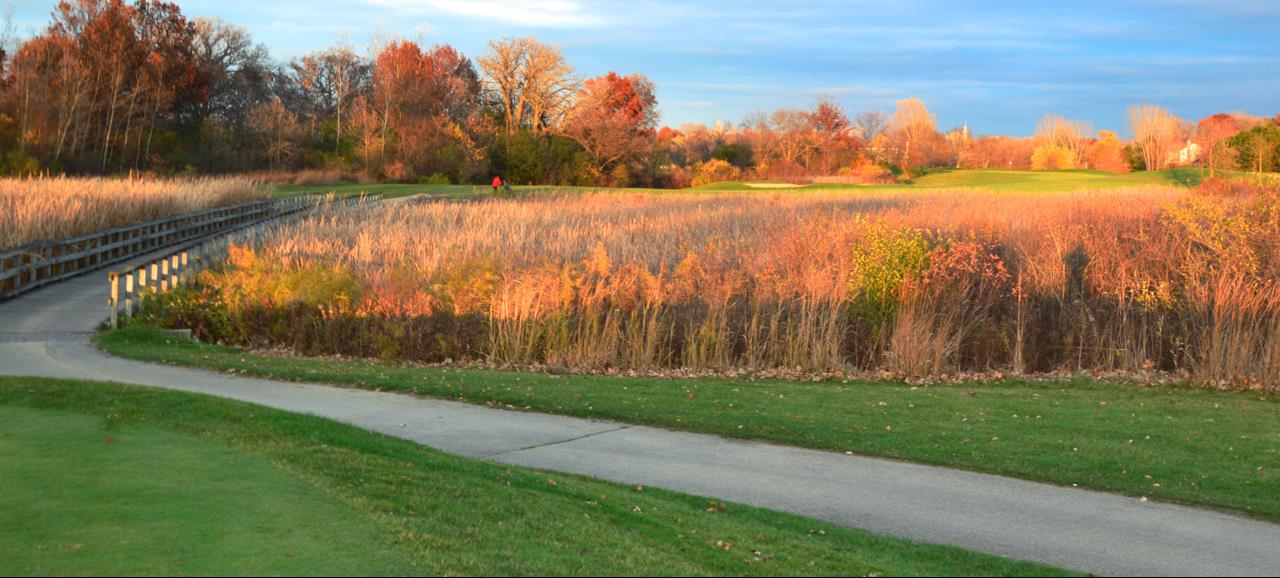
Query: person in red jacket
pixel 497 184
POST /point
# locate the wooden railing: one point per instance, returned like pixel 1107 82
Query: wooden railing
pixel 30 266
pixel 178 266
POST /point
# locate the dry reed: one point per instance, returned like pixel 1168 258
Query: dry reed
pixel 44 208
pixel 1139 279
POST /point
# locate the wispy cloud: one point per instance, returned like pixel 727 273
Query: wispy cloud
pixel 1252 7
pixel 532 13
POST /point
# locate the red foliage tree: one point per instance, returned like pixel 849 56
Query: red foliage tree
pixel 836 144
pixel 613 119
pixel 1211 135
pixel 427 104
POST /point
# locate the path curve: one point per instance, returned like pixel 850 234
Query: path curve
pixel 45 333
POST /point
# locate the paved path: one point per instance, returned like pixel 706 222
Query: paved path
pixel 1077 529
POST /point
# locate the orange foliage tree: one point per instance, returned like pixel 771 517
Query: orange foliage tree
pixel 92 88
pixel 1106 153
pixel 426 105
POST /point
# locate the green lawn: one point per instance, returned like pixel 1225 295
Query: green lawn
pixel 1181 444
pixel 107 479
pixel 449 192
pixel 84 494
pixel 997 180
pixel 1007 181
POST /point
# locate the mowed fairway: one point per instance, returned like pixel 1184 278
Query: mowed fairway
pixel 86 494
pixel 108 479
pixel 989 179
pixel 1004 181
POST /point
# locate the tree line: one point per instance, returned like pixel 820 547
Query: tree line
pixel 111 86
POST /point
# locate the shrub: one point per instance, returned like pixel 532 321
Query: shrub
pixel 883 263
pixel 435 179
pixel 1049 157
pixel 715 171
pixel 1235 186
pixel 867 171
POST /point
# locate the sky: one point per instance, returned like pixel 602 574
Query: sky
pixel 997 66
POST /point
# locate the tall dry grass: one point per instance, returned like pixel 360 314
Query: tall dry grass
pixel 44 208
pixel 917 284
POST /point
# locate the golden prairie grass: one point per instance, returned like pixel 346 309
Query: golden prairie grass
pixel 44 208
pixel 917 284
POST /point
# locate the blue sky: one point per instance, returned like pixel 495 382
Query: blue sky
pixel 997 65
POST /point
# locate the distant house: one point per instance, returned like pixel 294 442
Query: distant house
pixel 1188 155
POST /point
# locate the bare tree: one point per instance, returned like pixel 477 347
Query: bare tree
pixel 793 135
pixel 549 85
pixel 1157 133
pixel 237 70
pixel 8 35
pixel 329 80
pixel 278 129
pixel 503 69
pixel 533 82
pixel 960 141
pixel 912 125
pixel 869 125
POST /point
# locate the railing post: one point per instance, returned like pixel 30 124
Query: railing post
pixel 128 294
pixel 173 272
pixel 115 299
pixel 164 275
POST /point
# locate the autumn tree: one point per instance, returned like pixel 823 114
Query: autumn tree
pixel 836 144
pixel 613 119
pixel 426 107
pixel 1156 133
pixel 1050 157
pixel 1211 136
pixel 912 127
pixel 1072 136
pixel 93 87
pixel 1000 152
pixel 1106 153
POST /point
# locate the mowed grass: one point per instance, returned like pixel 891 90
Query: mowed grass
pixel 1178 444
pixel 1004 181
pixel 109 479
pixel 990 179
pixel 88 494
pixel 442 192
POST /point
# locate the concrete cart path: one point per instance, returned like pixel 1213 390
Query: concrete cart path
pixel 1087 531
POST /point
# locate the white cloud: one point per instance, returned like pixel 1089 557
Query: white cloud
pixel 532 13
